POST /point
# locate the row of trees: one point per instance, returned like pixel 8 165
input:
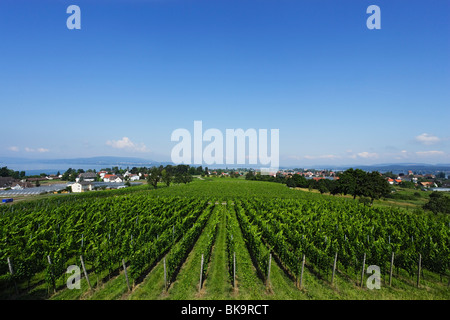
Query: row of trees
pixel 71 174
pixel 369 186
pixel 183 168
pixel 5 172
pixel 169 174
pixel 360 183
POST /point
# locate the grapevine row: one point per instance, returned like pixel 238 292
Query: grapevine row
pixel 320 229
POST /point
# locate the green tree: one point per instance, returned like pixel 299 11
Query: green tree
pixel 352 182
pixel 170 169
pixel 182 178
pixel 166 177
pixel 250 176
pixel 66 174
pixel 376 186
pixel 291 183
pixel 300 181
pixel 321 186
pixel 186 178
pixel 178 178
pixel 73 176
pixel 154 177
pixel 333 187
pixel 180 169
pixel 4 172
pixel 192 170
pixel 359 183
pixel 438 203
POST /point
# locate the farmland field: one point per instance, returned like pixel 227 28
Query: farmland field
pixel 220 239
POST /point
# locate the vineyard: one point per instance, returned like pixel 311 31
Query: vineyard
pixel 217 239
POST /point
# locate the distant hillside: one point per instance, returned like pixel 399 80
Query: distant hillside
pixel 420 168
pixel 104 160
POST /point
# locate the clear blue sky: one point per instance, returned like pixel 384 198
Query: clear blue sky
pixel 137 70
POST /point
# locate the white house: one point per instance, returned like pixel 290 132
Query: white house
pixel 134 177
pixel 112 178
pixel 87 176
pixel 77 187
pixel 81 187
pixel 115 179
pixel 102 174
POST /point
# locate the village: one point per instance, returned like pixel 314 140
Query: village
pixel 54 183
pixel 432 182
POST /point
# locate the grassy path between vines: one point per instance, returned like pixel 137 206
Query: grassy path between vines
pixel 187 281
pixel 217 285
pixel 249 285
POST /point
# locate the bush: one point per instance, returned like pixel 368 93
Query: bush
pixel 407 184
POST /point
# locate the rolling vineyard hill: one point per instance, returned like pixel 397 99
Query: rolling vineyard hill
pixel 220 239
